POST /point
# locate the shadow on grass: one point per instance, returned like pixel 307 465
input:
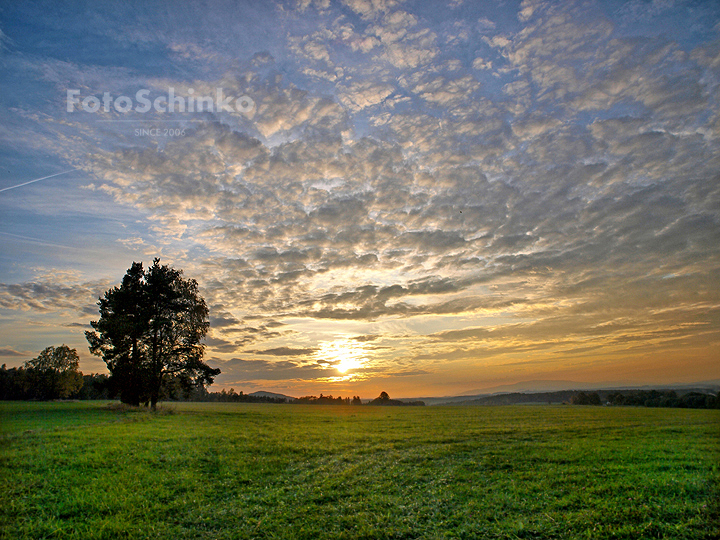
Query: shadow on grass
pixel 160 410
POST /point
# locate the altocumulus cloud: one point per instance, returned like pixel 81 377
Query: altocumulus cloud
pixel 462 187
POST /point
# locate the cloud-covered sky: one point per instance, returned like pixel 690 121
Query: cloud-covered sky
pixel 422 197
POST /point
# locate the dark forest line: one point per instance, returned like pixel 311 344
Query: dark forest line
pixel 688 399
pixel 28 384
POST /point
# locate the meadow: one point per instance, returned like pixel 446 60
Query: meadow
pixel 87 470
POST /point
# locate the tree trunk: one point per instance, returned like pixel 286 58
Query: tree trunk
pixel 155 390
pixel 130 397
pixel 156 376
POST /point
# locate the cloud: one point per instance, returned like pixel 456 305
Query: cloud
pixel 480 63
pixel 445 92
pixel 220 345
pixel 241 370
pixel 361 95
pixel 369 9
pixel 86 326
pixel 238 337
pixel 555 178
pixel 46 297
pixel 311 47
pixel 485 25
pixel 223 320
pixel 364 204
pixel 403 48
pixel 287 351
pixel 366 338
pixel 9 351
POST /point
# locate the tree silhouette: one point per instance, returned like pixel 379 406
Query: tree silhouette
pixel 384 399
pixel 586 399
pixel 54 373
pixel 150 329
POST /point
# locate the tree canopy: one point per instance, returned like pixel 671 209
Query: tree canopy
pixel 54 373
pixel 150 331
pixel 384 399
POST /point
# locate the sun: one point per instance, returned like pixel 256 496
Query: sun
pixel 347 364
pixel 343 354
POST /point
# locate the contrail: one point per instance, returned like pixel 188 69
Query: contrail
pixel 37 241
pixel 36 180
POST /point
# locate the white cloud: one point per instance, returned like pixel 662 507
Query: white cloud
pixel 369 9
pixel 480 63
pixel 312 47
pixel 361 95
pixel 404 46
pixel 485 25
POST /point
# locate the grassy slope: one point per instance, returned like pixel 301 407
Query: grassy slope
pixel 220 471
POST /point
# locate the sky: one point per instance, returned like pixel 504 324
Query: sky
pixel 420 197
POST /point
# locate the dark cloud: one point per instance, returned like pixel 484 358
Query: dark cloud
pixel 247 370
pixel 7 351
pixel 220 345
pixel 77 325
pixel 286 351
pixel 367 338
pixel 223 320
pixel 46 297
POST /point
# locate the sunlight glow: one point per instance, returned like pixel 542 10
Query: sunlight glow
pixel 343 354
pixel 348 363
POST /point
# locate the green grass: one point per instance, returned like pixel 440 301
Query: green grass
pixel 222 471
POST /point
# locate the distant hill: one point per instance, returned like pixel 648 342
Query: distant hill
pixel 538 386
pixel 565 396
pixel 519 398
pixel 536 392
pixel 446 400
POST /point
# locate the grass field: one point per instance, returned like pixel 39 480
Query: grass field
pixel 222 471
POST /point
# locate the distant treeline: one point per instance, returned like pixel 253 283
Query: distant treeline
pixel 37 384
pixel 649 398
pixel 23 383
pixel 328 400
pixel 692 399
pixel 232 396
pixel 33 384
pixel 235 397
